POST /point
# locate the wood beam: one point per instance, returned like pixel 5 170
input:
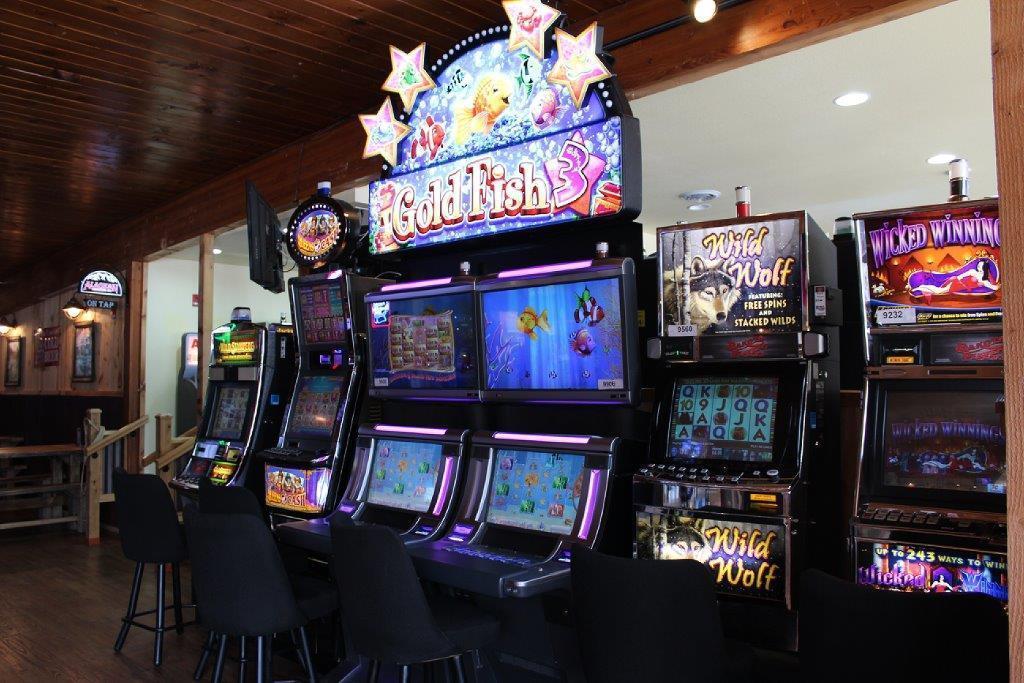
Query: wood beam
pixel 205 313
pixel 1008 91
pixel 755 30
pixel 133 367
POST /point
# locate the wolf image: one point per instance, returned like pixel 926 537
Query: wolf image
pixel 713 293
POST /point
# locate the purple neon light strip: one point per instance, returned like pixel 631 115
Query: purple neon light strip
pixel 588 514
pixel 541 438
pixel 416 285
pixel 446 480
pixel 540 270
pixel 335 274
pixel 347 508
pixel 426 431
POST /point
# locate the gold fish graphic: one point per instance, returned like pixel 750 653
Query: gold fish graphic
pixel 479 114
pixel 529 321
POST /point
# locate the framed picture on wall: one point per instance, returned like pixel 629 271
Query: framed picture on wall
pixel 83 368
pixel 12 363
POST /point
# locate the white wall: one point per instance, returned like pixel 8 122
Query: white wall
pixel 170 314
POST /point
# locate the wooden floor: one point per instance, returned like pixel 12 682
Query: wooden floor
pixel 61 602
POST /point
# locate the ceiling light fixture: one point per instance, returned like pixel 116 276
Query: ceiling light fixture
pixel 699 207
pixel 941 159
pixel 852 99
pixel 73 308
pixel 704 10
pixel 7 323
pixel 217 252
pixel 700 196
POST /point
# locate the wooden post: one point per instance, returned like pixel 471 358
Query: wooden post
pixel 205 313
pixel 134 365
pixel 1008 86
pixel 92 429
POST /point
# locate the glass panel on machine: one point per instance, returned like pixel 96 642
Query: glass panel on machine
pixel 322 313
pixel 563 336
pixel 301 490
pixel 952 441
pixel 424 343
pixel 536 490
pixel 931 569
pixel 404 474
pixel 316 407
pixel 723 418
pixel 229 412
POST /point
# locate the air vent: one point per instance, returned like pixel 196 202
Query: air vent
pixel 700 196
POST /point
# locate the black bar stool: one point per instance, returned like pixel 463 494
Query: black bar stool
pixel 675 601
pixel 150 534
pixel 244 590
pixel 851 633
pixel 386 613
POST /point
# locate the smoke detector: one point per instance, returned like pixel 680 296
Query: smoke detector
pixel 700 196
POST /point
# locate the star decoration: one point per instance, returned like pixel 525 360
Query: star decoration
pixel 529 21
pixel 383 133
pixel 408 78
pixel 578 66
pixel 573 174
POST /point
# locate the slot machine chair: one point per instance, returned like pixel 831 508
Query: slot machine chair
pixel 847 634
pixel 418 630
pixel 150 534
pixel 251 598
pixel 678 606
pixel 221 500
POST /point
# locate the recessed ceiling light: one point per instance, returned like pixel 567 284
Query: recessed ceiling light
pixel 217 252
pixel 699 207
pixel 943 158
pixel 852 99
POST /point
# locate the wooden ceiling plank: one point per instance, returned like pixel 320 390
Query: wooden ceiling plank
pixel 367 16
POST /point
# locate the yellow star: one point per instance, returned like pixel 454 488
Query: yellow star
pixel 408 78
pixel 578 66
pixel 529 21
pixel 383 133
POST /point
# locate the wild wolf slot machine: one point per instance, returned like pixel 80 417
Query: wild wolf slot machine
pixel 743 474
pixel 931 506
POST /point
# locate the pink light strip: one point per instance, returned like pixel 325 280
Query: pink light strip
pixel 540 270
pixel 541 438
pixel 588 514
pixel 416 285
pixel 335 274
pixel 446 480
pixel 427 431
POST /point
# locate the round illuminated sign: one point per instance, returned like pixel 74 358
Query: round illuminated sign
pixel 321 230
pixel 102 283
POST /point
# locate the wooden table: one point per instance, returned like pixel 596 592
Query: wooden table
pixel 15 487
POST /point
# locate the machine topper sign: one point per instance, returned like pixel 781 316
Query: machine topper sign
pixel 506 136
pixel 742 277
pixel 933 266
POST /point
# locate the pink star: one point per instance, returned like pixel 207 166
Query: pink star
pixel 529 21
pixel 408 78
pixel 578 66
pixel 383 133
pixel 573 175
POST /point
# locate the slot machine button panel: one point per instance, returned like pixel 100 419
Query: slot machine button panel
pixel 919 518
pixel 893 516
pixel 905 518
pixel 933 520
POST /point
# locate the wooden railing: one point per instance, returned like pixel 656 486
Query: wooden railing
pixel 103 451
pixel 168 448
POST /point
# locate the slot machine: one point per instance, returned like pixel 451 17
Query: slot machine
pixel 302 473
pixel 421 346
pixel 931 499
pixel 743 472
pixel 252 366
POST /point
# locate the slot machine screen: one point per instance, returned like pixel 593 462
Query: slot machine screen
pixel 404 474
pixel 565 336
pixel 536 490
pixel 229 412
pixel 424 343
pixel 948 441
pixel 723 418
pixel 315 407
pixel 323 313
pixel 300 490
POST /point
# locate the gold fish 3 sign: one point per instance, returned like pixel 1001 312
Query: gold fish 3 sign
pixel 519 126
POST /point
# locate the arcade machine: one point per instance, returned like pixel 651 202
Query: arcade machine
pixel 931 503
pixel 744 474
pixel 520 127
pixel 252 366
pixel 186 394
pixel 422 346
pixel 303 472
